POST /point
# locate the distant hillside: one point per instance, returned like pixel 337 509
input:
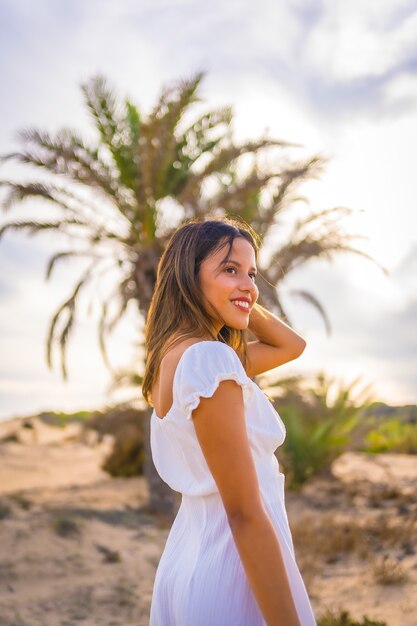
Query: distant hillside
pixel 406 413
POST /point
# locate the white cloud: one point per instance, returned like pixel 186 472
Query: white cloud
pixel 355 40
pixel 401 91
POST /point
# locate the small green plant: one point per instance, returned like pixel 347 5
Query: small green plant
pixel 343 618
pixel 21 500
pixel 392 436
pixel 65 526
pixel 5 510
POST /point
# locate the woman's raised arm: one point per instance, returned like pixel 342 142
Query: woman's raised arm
pixel 277 342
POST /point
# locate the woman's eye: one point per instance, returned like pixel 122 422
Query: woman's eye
pixel 234 269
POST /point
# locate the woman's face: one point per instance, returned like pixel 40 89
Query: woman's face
pixel 224 282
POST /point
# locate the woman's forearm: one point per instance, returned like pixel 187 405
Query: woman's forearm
pixel 271 330
pixel 260 553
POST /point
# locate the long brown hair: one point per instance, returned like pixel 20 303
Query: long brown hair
pixel 176 309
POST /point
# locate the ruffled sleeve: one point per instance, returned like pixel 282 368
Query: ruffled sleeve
pixel 204 365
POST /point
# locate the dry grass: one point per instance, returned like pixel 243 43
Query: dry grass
pixel 326 539
pixel 388 532
pixel 109 555
pixel 388 571
pixel 124 594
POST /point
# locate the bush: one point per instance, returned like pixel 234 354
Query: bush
pixel 61 419
pixel 5 510
pixel 128 454
pixel 344 619
pixel 318 428
pixel 64 525
pixel 126 424
pixel 392 436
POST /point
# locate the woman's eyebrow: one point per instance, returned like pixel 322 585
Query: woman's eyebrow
pixel 236 263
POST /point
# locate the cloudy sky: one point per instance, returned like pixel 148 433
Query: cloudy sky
pixel 340 78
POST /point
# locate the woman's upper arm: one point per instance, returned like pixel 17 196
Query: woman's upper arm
pixel 220 427
pixel 263 357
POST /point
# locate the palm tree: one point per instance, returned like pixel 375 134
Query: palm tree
pixel 112 195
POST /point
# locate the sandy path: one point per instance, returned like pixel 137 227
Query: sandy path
pixel 75 549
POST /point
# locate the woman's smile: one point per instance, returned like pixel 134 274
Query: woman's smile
pixel 241 305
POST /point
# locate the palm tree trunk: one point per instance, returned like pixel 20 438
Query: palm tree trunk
pixel 161 499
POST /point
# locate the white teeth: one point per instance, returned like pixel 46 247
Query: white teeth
pixel 241 303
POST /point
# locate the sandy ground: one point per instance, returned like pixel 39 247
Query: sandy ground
pixel 74 548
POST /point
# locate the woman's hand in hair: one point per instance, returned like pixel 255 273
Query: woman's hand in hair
pixel 277 343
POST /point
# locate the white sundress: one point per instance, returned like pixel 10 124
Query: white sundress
pixel 200 579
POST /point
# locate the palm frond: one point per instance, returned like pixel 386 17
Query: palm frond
pixel 58 196
pixel 115 122
pixel 161 126
pixel 243 198
pixel 104 107
pixel 290 178
pixel 101 333
pixel 66 255
pixel 124 293
pixel 221 162
pixel 306 295
pixel 68 155
pixel 325 239
pixel 133 120
pixel 69 307
pixel 36 227
pixel 269 298
pixel 156 152
pixel 93 236
pixel 194 142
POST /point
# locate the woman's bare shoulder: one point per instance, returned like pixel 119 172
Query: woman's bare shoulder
pixel 162 387
pixel 173 354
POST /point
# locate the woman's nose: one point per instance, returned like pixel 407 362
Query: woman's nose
pixel 247 284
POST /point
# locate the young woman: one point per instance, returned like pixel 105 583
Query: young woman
pixel 229 557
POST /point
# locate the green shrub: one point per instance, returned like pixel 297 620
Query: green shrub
pixel 344 619
pixel 61 419
pixel 21 500
pixel 5 510
pixel 128 454
pixel 392 435
pixel 318 428
pixel 64 525
pixel 127 425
